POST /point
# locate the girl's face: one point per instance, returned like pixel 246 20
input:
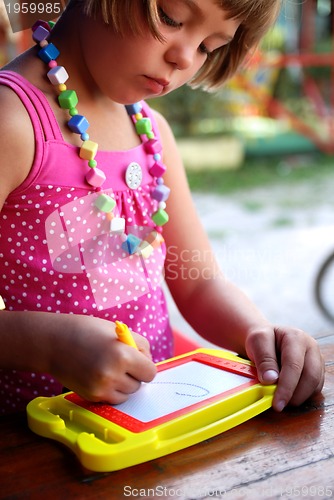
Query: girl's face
pixel 134 67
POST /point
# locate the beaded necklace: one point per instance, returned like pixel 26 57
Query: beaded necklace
pixel 95 177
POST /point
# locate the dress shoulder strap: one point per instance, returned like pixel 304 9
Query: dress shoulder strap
pixel 42 117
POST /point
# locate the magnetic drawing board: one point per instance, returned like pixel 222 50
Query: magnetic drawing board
pixel 177 388
pixel 193 397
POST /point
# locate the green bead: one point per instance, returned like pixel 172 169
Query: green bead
pixel 160 217
pixel 68 99
pixel 92 163
pixel 105 203
pixel 73 111
pixel 144 126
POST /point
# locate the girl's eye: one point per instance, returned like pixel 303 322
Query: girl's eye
pixel 168 20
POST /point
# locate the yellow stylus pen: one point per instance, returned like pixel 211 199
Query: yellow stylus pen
pixel 124 335
pixel 2 304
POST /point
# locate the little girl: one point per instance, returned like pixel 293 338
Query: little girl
pixel 95 204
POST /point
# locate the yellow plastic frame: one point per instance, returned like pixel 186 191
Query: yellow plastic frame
pixel 102 445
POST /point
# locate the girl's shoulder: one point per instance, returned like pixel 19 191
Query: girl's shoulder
pixel 16 141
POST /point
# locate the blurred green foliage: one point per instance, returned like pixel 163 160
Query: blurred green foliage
pixel 256 172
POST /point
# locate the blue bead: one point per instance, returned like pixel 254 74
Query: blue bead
pixel 48 53
pixel 131 244
pixel 133 109
pixel 85 136
pixel 157 156
pixel 78 124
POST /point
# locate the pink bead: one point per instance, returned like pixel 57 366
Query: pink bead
pixel 158 169
pixel 40 22
pixel 152 146
pixel 95 177
pixel 52 64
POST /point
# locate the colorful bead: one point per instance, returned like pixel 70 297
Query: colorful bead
pixel 57 75
pixel 73 111
pixel 130 244
pixel 95 177
pixel 68 99
pixel 88 150
pixel 160 217
pixel 143 126
pixel 48 53
pixel 43 43
pixel 105 203
pixel 92 163
pixel 158 169
pixel 145 250
pixel 160 193
pixel 40 22
pixel 84 136
pixel 52 64
pixel 154 239
pixel 78 124
pixel 117 225
pixel 133 109
pixel 40 34
pixel 152 146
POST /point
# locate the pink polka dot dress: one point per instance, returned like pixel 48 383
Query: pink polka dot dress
pixel 57 253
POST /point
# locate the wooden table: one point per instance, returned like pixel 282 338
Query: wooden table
pixel 288 455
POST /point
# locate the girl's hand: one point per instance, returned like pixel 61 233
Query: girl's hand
pixel 90 360
pixel 290 358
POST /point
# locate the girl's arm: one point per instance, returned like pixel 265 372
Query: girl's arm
pixel 221 312
pixel 82 352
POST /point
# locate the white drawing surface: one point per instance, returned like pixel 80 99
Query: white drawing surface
pixel 179 387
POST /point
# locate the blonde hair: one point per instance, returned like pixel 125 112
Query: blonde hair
pixel 257 17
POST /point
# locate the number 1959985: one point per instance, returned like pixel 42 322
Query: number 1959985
pixel 33 8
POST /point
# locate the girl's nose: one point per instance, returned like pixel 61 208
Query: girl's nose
pixel 181 56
